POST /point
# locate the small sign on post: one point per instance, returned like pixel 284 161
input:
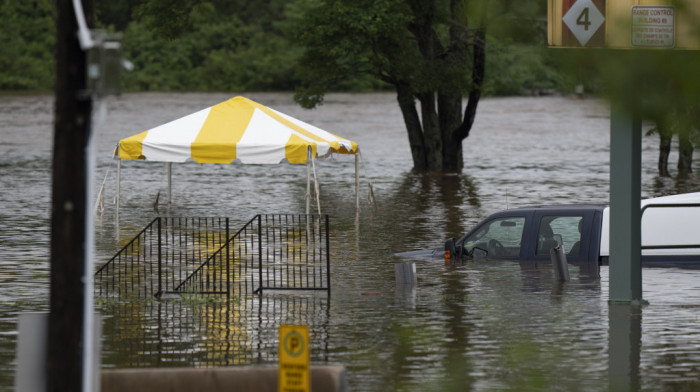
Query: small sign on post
pixel 623 24
pixel 294 373
pixel 653 26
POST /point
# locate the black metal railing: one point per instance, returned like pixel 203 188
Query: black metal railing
pixel 270 252
pixel 295 254
pixel 130 271
pixel 228 267
pixel 197 256
pixel 160 256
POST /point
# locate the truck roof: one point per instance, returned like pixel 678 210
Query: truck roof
pixel 564 207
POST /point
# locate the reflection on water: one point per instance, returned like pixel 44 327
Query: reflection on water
pixel 624 346
pixel 194 331
pixel 473 325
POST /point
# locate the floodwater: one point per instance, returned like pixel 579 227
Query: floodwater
pixel 472 326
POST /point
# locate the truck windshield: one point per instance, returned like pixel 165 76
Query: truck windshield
pixel 500 237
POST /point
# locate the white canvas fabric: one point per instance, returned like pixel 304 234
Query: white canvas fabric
pixel 235 129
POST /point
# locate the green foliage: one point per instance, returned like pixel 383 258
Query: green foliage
pixel 650 83
pixel 216 46
pixel 348 39
pixel 27 33
pixel 515 69
pixel 115 15
pixel 225 45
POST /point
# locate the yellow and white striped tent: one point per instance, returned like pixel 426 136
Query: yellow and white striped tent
pixel 235 130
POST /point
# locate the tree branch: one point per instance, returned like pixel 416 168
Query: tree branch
pixel 478 71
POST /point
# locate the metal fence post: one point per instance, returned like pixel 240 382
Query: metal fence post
pixel 328 259
pixel 228 262
pixel 260 253
pixel 160 287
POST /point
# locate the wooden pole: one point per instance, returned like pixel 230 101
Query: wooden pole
pixel 68 206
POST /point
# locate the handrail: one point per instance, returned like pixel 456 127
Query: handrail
pixel 213 255
pixel 128 244
pixel 199 256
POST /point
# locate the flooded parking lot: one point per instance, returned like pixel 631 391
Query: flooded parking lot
pixel 473 325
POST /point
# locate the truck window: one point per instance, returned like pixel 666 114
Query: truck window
pixel 499 237
pixel 559 230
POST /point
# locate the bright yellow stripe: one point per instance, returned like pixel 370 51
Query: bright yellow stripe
pixel 132 147
pixel 296 149
pixel 223 128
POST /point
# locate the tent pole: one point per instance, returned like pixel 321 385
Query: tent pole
pixel 170 185
pixel 119 178
pixel 357 182
pixel 316 187
pixel 308 181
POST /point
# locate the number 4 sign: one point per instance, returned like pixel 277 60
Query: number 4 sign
pixel 583 20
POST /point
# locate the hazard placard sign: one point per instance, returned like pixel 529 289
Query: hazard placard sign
pixel 585 22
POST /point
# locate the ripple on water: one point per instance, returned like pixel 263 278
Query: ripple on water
pixel 488 326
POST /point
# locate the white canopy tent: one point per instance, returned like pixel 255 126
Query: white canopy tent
pixel 236 130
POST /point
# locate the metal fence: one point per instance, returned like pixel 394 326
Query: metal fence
pixel 295 253
pixel 198 256
pixel 160 256
pixel 229 268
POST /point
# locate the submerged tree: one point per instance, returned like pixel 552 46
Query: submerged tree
pixel 679 122
pixel 432 52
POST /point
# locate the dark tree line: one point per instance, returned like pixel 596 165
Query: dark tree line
pixel 435 53
pixel 439 56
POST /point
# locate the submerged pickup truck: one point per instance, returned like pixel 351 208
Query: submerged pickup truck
pixel 670 233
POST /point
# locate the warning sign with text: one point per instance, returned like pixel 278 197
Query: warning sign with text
pixel 294 359
pixel 653 26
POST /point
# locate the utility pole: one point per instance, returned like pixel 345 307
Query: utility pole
pixel 72 123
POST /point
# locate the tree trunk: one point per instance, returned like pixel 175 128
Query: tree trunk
pixel 685 153
pixel 436 140
pixel 450 113
pixel 664 150
pixel 432 137
pixel 407 105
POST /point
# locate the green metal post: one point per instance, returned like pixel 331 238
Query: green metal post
pixel 624 346
pixel 625 215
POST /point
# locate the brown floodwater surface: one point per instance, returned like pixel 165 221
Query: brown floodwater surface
pixel 471 326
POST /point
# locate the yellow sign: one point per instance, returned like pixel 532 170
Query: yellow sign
pixel 294 359
pixel 624 24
